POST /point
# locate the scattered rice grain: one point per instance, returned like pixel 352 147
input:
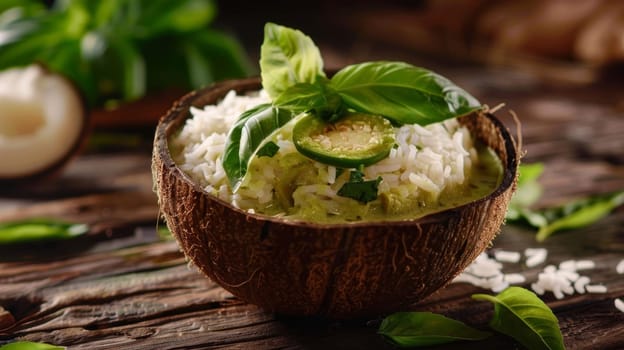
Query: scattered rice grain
pixel 620 267
pixel 535 256
pixel 619 304
pixel 595 288
pixel 580 283
pixel 507 256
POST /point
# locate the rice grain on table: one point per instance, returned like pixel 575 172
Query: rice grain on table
pixel 426 160
pixel 619 304
pixel 535 256
pixel 596 288
pixel 620 267
pixel 507 256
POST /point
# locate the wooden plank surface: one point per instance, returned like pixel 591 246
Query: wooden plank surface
pixel 123 286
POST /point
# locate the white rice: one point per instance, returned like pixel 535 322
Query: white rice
pixel 426 161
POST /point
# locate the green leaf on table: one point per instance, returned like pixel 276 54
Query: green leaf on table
pixel 35 230
pixel 522 315
pixel 412 329
pixel 247 136
pixel 28 345
pixel 580 213
pixel 402 92
pixel 288 57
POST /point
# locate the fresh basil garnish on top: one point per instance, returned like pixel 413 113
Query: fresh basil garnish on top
pixel 413 329
pixel 287 57
pixel 522 315
pixel 401 92
pixel 292 74
pixel 116 51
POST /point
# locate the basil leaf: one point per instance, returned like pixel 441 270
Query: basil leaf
pixel 268 150
pixel 358 189
pixel 247 135
pixel 401 92
pixel 580 213
pixel 410 329
pixel 302 97
pixel 522 315
pixel 32 230
pixel 28 345
pixel 288 57
pixel 317 98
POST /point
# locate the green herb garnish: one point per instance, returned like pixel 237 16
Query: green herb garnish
pixel 268 150
pixel 359 189
pixel 413 329
pixel 292 74
pixel 32 230
pixel 522 315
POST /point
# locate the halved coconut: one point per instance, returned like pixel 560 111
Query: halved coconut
pixel 42 121
pixel 338 270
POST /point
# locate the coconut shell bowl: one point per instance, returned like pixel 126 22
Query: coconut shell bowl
pixel 338 271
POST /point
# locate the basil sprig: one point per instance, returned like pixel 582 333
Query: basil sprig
pixel 292 74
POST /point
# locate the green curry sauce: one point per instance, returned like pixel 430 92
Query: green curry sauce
pixel 484 178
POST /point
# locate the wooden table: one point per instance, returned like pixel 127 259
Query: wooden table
pixel 125 286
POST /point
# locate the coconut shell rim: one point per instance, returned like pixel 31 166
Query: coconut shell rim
pixel 174 118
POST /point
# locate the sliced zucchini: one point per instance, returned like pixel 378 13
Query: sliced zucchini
pixel 354 140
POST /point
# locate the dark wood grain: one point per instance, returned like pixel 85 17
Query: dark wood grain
pixel 122 286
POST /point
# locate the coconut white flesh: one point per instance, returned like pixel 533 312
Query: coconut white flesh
pixel 41 118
